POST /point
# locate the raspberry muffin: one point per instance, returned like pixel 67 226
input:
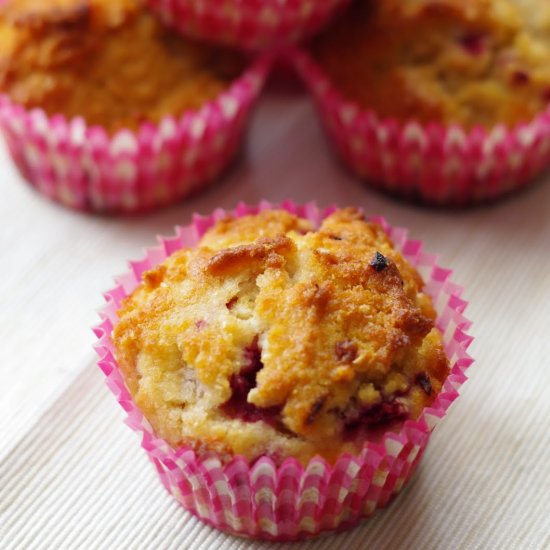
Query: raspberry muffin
pixel 275 338
pixel 110 62
pixel 106 110
pixel 248 24
pixel 464 62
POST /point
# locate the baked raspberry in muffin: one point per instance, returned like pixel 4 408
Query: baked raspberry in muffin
pixel 469 62
pixel 109 61
pixel 275 338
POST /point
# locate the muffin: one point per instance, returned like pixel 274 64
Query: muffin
pixel 273 338
pixel 238 344
pixel 106 109
pixel 248 24
pixel 466 62
pixel 437 101
pixel 111 63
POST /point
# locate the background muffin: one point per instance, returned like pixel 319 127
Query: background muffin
pixel 249 24
pixel 273 338
pixel 105 110
pixel 436 101
pixel 471 62
pixel 110 62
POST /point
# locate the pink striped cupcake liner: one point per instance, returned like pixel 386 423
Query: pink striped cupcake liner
pixel 289 501
pixel 248 24
pixel 85 168
pixel 433 164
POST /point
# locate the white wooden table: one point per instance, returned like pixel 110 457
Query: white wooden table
pixel 73 476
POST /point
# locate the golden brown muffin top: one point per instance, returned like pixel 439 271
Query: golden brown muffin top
pixel 272 337
pixel 109 61
pixel 452 61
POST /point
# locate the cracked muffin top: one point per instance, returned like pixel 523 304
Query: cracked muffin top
pixel 470 62
pixel 109 61
pixel 276 338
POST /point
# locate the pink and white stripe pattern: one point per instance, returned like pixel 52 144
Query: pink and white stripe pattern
pixel 433 164
pixel 288 501
pixel 87 169
pixel 249 24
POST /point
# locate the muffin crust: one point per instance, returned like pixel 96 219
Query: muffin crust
pixel 109 61
pixel 274 338
pixel 470 62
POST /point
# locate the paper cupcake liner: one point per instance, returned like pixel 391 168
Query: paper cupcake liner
pixel 431 163
pixel 289 501
pixel 84 168
pixel 248 24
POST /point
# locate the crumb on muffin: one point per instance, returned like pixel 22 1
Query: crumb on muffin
pixel 272 337
pixel 470 62
pixel 109 61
